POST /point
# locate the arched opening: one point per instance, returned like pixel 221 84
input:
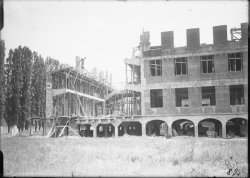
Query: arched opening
pixel 182 127
pixel 85 130
pixel 130 128
pixel 210 128
pixel 156 128
pixel 237 127
pixel 105 130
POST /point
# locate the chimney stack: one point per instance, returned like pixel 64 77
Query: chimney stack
pixel 193 39
pixel 244 33
pixel 220 35
pixel 167 40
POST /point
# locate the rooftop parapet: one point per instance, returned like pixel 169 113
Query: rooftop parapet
pixel 220 41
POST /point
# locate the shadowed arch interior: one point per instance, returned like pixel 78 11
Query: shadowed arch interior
pixel 85 130
pixel 105 130
pixel 210 128
pixel 155 128
pixel 182 127
pixel 237 127
pixel 130 128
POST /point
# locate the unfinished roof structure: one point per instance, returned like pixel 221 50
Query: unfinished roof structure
pixel 74 91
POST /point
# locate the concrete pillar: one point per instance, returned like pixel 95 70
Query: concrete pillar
pixel 196 131
pixel 169 128
pixel 143 129
pixel 116 130
pixel 94 130
pixel 224 129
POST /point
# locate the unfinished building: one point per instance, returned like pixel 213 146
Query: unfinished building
pixel 194 90
pixel 74 93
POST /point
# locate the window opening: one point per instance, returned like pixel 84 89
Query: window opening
pixel 207 64
pixel 208 96
pixel 156 98
pixel 236 95
pixel 156 67
pixel 181 66
pixel 235 62
pixel 181 95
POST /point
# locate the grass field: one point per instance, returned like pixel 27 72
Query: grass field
pixel 124 156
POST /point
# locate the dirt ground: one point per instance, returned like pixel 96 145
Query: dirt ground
pixel 124 156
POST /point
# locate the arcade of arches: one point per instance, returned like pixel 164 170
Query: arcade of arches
pixel 209 127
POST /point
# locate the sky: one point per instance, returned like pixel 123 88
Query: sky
pixel 105 32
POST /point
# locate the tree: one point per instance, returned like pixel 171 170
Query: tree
pixel 26 74
pixel 38 84
pixel 2 79
pixel 18 80
pixel 9 102
pixel 25 97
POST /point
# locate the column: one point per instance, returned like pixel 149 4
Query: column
pixel 169 129
pixel 196 132
pixel 116 130
pixel 224 126
pixel 143 129
pixel 94 130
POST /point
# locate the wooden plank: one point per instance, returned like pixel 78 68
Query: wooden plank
pixel 51 130
pixel 63 129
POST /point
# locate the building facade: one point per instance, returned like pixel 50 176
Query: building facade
pixel 198 89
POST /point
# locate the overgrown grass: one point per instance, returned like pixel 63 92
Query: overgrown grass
pixel 123 156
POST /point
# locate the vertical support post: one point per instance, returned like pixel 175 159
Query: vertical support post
pixel 69 104
pixel 64 102
pixel 224 131
pixel 169 129
pixel 94 130
pixel 143 129
pixel 196 131
pixel 116 130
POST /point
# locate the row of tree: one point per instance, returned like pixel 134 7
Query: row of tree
pixel 22 85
